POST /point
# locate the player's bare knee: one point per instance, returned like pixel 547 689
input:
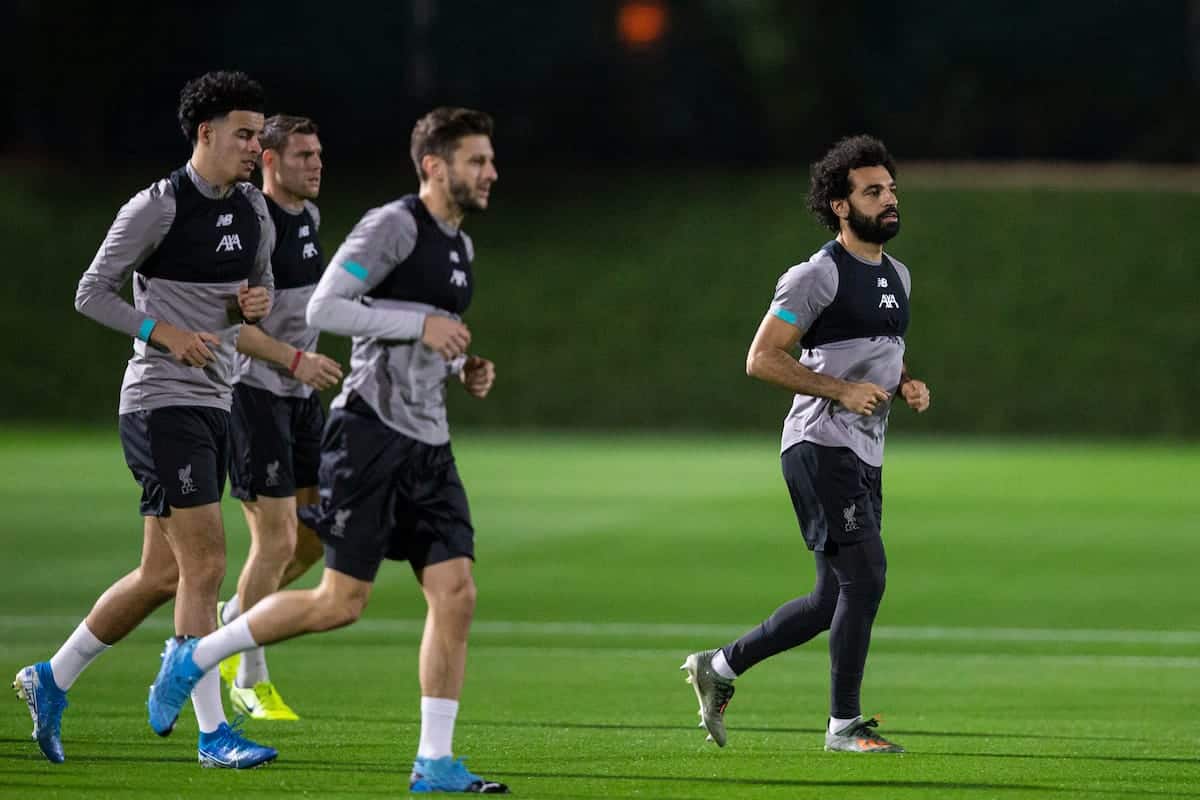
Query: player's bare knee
pixel 204 568
pixel 279 544
pixel 339 608
pixel 160 583
pixel 455 597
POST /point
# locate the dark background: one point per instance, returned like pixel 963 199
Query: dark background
pixel 653 161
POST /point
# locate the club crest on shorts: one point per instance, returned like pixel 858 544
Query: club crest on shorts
pixel 340 518
pixel 186 484
pixel 848 513
pixel 273 473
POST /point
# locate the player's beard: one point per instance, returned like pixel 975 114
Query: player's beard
pixel 871 229
pixel 463 196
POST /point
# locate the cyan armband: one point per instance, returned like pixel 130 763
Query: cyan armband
pixel 147 327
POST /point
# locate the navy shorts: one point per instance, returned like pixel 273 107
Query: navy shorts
pixel 385 495
pixel 276 443
pixel 837 496
pixel 177 454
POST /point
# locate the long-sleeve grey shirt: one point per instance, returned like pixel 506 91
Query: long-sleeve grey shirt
pixel 390 369
pixel 154 378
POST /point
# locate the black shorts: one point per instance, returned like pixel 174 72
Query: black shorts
pixel 837 496
pixel 384 495
pixel 177 454
pixel 276 443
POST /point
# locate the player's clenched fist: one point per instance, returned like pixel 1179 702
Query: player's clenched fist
pixel 187 346
pixel 916 394
pixel 863 398
pixel 478 375
pixel 446 336
pixel 317 371
pixel 254 301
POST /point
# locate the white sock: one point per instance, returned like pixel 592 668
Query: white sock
pixel 80 649
pixel 437 727
pixel 233 638
pixel 231 609
pixel 253 668
pixel 206 700
pixel 836 724
pixel 721 666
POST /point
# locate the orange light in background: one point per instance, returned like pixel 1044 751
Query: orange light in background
pixel 641 23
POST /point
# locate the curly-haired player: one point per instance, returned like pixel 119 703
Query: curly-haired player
pixel 197 245
pixel 847 308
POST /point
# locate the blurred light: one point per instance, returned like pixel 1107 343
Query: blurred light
pixel 641 23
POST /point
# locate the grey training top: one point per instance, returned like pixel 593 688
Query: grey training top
pixel 286 321
pixel 400 378
pixel 153 377
pixel 802 294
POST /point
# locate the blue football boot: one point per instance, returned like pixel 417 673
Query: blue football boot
pixel 226 748
pixel 449 774
pixel 173 685
pixel 35 685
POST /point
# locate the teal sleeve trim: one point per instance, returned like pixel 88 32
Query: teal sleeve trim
pixel 786 316
pixel 146 329
pixel 356 269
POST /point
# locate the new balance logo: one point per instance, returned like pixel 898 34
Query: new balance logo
pixel 310 250
pixel 224 220
pixel 888 301
pixel 458 278
pixel 273 473
pixel 186 484
pixel 229 242
pixel 848 513
pixel 881 283
pixel 303 231
pixel 454 257
pixel 340 518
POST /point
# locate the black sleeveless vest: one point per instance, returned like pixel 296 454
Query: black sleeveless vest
pixel 870 301
pixel 436 273
pixel 210 241
pixel 298 259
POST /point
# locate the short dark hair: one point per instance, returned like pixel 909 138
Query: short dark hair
pixel 437 133
pixel 281 126
pixel 215 94
pixel 831 175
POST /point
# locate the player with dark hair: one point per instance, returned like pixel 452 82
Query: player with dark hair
pixel 277 417
pixel 847 308
pixel 198 246
pixel 389 486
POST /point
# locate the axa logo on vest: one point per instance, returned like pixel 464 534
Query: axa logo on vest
pixel 888 301
pixel 458 278
pixel 229 242
pixel 309 250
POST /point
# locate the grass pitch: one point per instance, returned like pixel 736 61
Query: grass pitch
pixel 1040 636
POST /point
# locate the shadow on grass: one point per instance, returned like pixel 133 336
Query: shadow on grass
pixel 898 732
pixel 891 785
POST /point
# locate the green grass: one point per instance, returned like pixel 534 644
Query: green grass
pixel 604 560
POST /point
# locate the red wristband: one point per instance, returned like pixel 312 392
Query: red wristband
pixel 296 361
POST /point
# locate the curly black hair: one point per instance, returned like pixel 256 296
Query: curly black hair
pixel 215 94
pixel 437 133
pixel 831 175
